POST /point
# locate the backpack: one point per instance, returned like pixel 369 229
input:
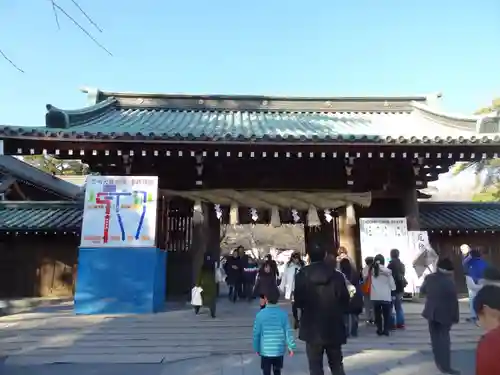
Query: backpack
pixel 356 299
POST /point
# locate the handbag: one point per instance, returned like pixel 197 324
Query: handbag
pixel 366 287
pixel 196 298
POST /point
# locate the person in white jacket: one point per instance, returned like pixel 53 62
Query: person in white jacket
pixel 491 276
pixel 287 285
pixel 382 286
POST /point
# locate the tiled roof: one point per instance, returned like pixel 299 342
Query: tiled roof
pixel 459 215
pixel 67 216
pixel 184 118
pixel 28 174
pixel 40 216
pixel 78 180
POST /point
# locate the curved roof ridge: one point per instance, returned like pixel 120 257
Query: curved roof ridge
pixel 85 110
pixel 488 123
pixel 452 116
pixel 61 118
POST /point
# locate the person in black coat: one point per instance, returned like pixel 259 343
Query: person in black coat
pixel 234 273
pixel 356 301
pixel 398 273
pixel 266 283
pixel 249 276
pixel 441 311
pixel 321 293
pixel 244 290
pixel 274 266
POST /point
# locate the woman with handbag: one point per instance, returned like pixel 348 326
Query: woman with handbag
pixel 351 318
pixel 381 288
pixel 365 288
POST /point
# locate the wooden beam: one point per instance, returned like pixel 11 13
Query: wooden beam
pixel 6 183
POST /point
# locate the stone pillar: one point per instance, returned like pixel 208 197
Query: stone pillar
pixel 410 208
pixel 349 237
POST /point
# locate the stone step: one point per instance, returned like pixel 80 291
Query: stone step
pixel 223 350
pixel 175 335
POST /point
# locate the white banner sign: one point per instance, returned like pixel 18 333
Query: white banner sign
pixel 120 211
pixel 381 235
pixel 424 256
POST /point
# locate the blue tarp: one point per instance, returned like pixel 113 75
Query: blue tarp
pixel 120 281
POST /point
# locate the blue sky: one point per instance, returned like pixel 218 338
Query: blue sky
pixel 314 47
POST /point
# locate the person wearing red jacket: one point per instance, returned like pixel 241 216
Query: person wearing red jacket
pixel 487 308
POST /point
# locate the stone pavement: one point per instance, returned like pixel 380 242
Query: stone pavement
pixel 367 363
pixel 53 339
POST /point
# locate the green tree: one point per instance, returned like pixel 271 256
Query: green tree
pixel 487 171
pixel 490 195
pixel 56 166
pixel 495 106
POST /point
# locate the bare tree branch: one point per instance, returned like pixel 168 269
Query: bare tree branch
pixel 75 22
pixel 2 53
pixel 54 10
pixel 86 15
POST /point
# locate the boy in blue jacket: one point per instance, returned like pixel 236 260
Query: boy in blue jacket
pixel 272 335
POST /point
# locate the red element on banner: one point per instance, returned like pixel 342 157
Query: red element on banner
pixel 105 199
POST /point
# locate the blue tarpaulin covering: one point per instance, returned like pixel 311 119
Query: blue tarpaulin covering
pixel 120 280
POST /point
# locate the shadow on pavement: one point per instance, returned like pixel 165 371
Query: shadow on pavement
pixel 51 340
pixel 361 364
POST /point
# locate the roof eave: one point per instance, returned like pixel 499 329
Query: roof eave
pixel 31 175
pixel 40 204
pixel 45 134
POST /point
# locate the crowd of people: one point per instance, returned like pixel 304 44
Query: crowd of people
pixel 329 295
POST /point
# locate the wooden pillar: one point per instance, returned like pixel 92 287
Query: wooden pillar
pixel 410 208
pixel 213 247
pixel 349 236
pixel 201 224
pixel 199 240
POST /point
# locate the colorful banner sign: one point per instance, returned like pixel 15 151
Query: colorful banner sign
pixel 120 211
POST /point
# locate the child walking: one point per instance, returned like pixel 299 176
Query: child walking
pixel 272 335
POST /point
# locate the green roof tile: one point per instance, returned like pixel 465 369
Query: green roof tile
pixel 459 216
pixel 40 216
pixel 255 119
